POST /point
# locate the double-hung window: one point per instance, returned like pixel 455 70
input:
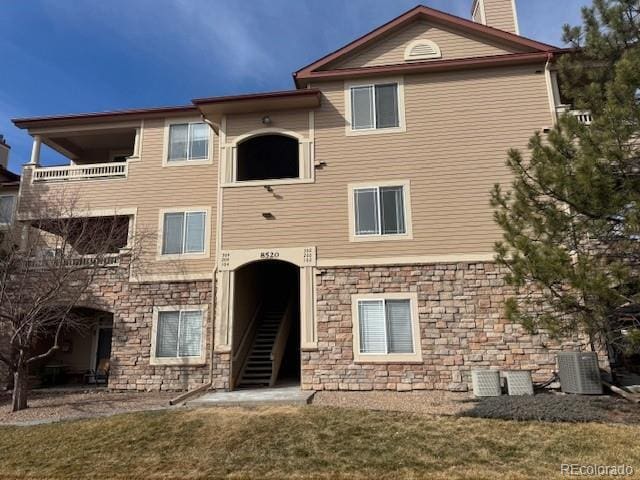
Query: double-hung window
pixel 379 210
pixel 7 207
pixel 184 233
pixel 386 327
pixel 188 141
pixel 178 335
pixel 375 107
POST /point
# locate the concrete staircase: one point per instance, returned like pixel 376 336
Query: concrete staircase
pixel 259 367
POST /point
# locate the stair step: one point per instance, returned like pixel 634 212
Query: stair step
pixel 254 382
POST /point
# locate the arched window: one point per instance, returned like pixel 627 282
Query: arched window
pixel 266 157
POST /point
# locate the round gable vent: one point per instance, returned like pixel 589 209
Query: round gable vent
pixel 422 50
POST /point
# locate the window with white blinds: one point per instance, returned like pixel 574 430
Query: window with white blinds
pixel 179 334
pixel 183 232
pixel 188 141
pixel 374 106
pixel 7 206
pixel 379 210
pixel 385 326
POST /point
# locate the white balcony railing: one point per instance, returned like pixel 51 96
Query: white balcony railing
pixel 583 116
pixel 81 172
pixel 105 260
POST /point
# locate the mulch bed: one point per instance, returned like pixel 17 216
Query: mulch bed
pixel 549 407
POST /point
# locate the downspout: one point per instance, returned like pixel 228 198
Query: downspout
pixel 214 291
pixel 207 385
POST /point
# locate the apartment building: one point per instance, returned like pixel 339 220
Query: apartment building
pixel 9 186
pixel 338 235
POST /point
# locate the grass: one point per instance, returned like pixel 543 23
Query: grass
pixel 307 442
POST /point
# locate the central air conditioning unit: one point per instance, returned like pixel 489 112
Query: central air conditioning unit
pixel 486 383
pixel 579 373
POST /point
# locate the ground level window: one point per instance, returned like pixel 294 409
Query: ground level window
pixel 179 334
pixel 385 326
pixel 7 205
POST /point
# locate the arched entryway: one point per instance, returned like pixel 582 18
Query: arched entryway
pixel 266 325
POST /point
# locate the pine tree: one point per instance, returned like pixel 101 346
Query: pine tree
pixel 571 220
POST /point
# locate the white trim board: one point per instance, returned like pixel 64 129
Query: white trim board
pixel 412 260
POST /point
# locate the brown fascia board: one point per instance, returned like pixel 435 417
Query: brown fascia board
pixel 432 66
pixel 109 116
pixel 257 96
pixel 431 14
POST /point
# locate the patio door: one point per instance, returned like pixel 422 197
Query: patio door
pixel 103 351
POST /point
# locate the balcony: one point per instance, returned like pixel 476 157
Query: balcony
pixel 95 171
pixel 583 116
pixel 98 152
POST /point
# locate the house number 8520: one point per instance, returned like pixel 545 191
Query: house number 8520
pixel 269 254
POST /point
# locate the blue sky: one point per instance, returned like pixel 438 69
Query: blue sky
pixel 70 56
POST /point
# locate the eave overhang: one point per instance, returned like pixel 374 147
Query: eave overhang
pixel 214 108
pixel 427 67
pixel 84 119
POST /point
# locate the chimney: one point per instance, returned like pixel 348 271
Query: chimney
pixel 4 152
pixel 500 14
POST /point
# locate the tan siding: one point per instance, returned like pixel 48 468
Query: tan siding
pixel 149 187
pixel 390 50
pixel 296 121
pixel 459 127
pixel 499 14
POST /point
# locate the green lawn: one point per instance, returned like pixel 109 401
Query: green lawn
pixel 307 442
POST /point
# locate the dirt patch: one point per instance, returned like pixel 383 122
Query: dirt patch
pixel 425 402
pixel 46 406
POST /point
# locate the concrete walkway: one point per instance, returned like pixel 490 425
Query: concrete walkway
pixel 254 397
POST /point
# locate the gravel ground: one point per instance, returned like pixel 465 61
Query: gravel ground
pixel 425 402
pixel 49 406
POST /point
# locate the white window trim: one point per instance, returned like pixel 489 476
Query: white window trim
pixel 374 131
pixel 199 360
pixel 184 256
pixel 415 357
pixel 379 237
pixel 306 155
pixel 13 209
pixel 182 163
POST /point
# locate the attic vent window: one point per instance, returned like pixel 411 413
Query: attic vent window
pixel 422 50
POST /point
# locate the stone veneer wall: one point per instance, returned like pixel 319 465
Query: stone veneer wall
pixel 462 327
pixel 132 306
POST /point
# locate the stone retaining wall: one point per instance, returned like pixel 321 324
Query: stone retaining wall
pixel 462 327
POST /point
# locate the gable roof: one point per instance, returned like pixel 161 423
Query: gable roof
pixel 527 45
